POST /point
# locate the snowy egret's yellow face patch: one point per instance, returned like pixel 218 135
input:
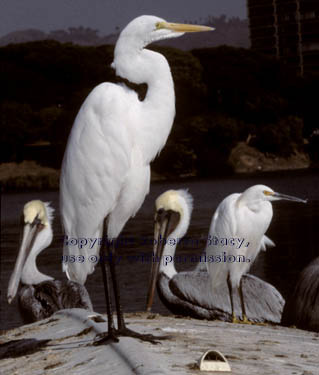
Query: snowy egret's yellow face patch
pixel 170 200
pixel 35 209
pixel 268 193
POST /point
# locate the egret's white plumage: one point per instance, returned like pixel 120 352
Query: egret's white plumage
pixel 189 293
pixel 106 166
pixel 246 216
pixel 115 136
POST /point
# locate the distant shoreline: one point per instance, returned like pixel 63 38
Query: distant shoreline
pixel 28 175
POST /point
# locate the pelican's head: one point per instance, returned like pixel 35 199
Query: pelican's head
pixel 34 212
pixel 172 216
pixel 173 208
pixel 37 235
pixel 264 193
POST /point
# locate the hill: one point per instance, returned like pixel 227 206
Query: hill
pixel 233 32
pixel 224 96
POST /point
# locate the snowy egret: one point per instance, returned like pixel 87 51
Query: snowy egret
pixel 246 216
pixel 190 293
pixel 41 295
pixel 106 167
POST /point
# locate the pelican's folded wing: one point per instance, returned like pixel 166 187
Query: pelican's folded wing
pixel 263 302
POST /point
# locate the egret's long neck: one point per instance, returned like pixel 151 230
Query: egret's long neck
pixel 157 111
pixel 256 205
pixel 158 77
pixel 30 273
pixel 167 265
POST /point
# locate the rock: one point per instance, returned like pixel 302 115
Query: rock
pixel 244 158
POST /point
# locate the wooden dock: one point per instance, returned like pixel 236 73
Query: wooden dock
pixel 62 345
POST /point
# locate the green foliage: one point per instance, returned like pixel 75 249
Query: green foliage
pixel 175 159
pixel 282 138
pixel 212 137
pixel 223 95
pixel 190 89
pixel 243 83
pixel 15 128
pixel 44 73
pixel 275 106
pixel 199 145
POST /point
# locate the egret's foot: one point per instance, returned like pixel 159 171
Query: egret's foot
pixel 235 320
pixel 105 338
pixel 261 324
pixel 144 337
pixel 245 320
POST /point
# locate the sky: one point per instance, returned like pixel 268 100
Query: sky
pixel 106 15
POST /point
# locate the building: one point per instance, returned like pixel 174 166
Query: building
pixel 287 29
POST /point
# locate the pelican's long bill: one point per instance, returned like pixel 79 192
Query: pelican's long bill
pixel 165 222
pixel 30 232
pixel 157 252
pixel 182 27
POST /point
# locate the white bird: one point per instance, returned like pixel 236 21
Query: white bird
pixel 106 167
pixel 240 218
pixel 189 293
pixel 41 295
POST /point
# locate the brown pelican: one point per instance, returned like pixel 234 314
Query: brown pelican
pixel 190 293
pixel 41 295
pixel 244 216
pixel 302 307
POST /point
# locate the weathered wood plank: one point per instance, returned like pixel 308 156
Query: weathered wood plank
pixel 250 349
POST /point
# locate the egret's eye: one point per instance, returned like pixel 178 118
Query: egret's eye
pixel 158 25
pixel 160 211
pixel 266 192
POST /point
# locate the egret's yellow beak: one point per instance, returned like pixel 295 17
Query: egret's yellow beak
pixel 182 28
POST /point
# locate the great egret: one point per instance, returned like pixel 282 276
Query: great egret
pixel 190 293
pixel 106 167
pixel 302 306
pixel 41 295
pixel 246 216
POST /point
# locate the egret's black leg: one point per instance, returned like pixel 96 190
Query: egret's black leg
pixel 122 329
pixel 230 289
pixel 243 308
pixel 107 337
pixel 120 318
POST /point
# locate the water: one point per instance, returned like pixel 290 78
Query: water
pixel 294 229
